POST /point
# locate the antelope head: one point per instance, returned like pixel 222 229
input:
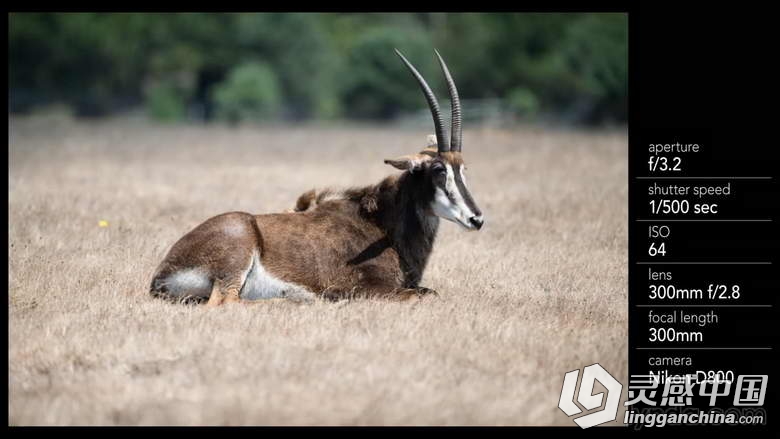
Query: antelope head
pixel 441 164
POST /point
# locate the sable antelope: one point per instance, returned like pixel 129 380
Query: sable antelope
pixel 372 241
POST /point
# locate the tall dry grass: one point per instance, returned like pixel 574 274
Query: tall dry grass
pixel 540 291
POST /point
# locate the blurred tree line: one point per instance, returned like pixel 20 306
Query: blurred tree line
pixel 296 66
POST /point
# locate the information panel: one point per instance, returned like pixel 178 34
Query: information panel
pixel 703 277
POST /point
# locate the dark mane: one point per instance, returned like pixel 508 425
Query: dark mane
pixel 398 205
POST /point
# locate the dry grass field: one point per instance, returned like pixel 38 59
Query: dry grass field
pixel 540 291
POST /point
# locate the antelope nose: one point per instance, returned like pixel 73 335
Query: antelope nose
pixel 477 221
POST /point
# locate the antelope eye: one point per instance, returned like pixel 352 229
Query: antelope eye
pixel 438 170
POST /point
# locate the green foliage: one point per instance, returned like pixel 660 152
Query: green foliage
pixel 251 92
pixel 596 50
pixel 523 102
pixel 299 50
pixel 166 103
pixel 324 65
pixel 378 84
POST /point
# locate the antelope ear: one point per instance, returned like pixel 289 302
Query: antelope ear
pixel 412 162
pixel 405 162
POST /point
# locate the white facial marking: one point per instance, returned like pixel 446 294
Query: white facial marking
pixel 462 175
pixel 457 211
pixel 466 185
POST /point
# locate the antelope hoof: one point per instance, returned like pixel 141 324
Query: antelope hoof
pixel 423 292
pixel 416 294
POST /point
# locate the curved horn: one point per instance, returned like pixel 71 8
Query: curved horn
pixel 457 127
pixel 438 122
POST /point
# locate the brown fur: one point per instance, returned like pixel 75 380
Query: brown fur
pixel 369 241
pixel 372 241
pixel 305 201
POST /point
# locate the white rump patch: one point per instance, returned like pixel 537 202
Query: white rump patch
pixel 192 282
pixel 260 284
